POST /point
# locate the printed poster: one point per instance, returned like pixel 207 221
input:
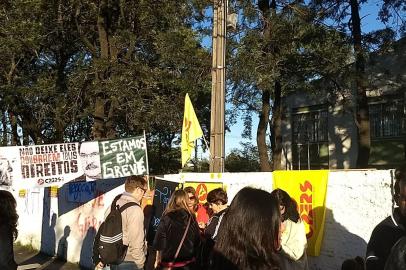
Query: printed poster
pixel 48 165
pixel 308 189
pixel 39 165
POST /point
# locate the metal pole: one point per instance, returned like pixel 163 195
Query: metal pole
pixel 218 86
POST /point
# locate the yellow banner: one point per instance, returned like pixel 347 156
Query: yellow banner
pixel 308 189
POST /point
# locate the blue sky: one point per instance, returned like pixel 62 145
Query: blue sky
pixel 370 22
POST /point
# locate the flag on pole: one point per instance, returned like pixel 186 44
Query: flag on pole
pixel 191 131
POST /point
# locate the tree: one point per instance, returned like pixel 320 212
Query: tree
pixel 82 70
pixel 345 14
pixel 245 160
pixel 279 49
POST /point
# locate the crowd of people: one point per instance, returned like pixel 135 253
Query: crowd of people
pixel 262 230
pixel 258 230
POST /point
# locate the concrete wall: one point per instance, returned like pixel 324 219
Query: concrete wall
pixel 57 226
pixel 356 202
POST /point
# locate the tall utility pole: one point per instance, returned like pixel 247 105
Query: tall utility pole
pixel 218 74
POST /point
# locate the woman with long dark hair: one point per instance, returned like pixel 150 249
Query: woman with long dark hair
pixel 294 242
pixel 177 238
pixel 249 234
pixel 8 230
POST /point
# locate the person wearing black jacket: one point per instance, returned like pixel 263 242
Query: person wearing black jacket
pixel 8 230
pixel 177 224
pixel 391 229
pixel 217 199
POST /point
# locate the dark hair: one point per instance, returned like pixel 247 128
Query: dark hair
pixel 396 259
pixel 132 182
pixel 248 237
pixel 353 264
pixel 400 176
pixel 190 189
pixel 8 212
pixel 217 195
pixel 290 205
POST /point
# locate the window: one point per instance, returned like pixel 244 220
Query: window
pixel 310 138
pixel 387 119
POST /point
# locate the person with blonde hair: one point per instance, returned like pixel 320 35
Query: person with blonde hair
pixel 177 238
pixel 192 201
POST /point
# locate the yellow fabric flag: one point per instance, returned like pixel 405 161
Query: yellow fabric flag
pixel 308 189
pixel 191 131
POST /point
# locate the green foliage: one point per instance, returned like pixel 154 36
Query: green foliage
pixel 58 59
pixel 243 160
pixel 282 44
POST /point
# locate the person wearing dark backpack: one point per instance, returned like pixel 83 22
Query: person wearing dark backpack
pixel 130 250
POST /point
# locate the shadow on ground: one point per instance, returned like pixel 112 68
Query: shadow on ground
pixel 27 258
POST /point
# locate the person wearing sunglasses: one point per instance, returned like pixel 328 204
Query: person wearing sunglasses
pixel 192 201
pixel 293 238
pixel 177 238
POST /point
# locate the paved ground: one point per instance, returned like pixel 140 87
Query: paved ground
pixel 27 258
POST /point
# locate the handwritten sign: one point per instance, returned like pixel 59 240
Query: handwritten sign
pixel 125 157
pixel 162 194
pixel 81 191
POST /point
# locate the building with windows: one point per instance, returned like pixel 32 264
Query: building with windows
pixel 319 128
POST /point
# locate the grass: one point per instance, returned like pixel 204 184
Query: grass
pixel 28 247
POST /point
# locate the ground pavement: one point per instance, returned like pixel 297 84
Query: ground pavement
pixel 27 258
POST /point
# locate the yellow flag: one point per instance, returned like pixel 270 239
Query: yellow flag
pixel 191 131
pixel 308 189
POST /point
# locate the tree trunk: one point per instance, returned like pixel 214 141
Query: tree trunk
pixel 4 125
pixel 276 128
pixel 265 166
pixel 105 109
pixel 362 115
pixel 98 117
pixel 261 132
pixel 15 139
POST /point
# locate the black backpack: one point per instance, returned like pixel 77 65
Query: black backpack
pixel 108 245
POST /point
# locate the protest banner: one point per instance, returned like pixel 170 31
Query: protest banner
pixel 308 189
pixel 123 157
pixel 89 157
pixel 56 164
pixel 44 165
